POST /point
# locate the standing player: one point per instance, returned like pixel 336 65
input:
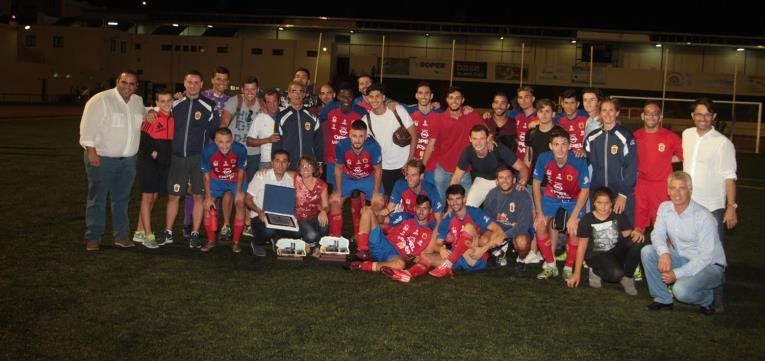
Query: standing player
pixel 567 187
pixel 336 119
pixel 223 169
pixel 423 116
pixel 155 150
pixel 574 121
pixel 658 147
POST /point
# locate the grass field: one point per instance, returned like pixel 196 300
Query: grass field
pixel 59 302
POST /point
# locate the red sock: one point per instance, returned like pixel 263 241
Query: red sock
pixel 419 269
pixel 571 250
pixel 367 266
pixel 336 224
pixel 211 224
pixel 459 247
pixel 362 241
pixel 238 229
pixel 545 247
pixel 356 204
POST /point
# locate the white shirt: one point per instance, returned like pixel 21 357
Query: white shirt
pixel 112 126
pixel 262 127
pixel 257 185
pixel 710 160
pixel 383 127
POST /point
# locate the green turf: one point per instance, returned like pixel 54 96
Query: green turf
pixel 59 302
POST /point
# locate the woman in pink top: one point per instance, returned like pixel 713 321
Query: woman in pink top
pixel 312 201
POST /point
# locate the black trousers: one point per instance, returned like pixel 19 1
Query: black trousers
pixel 616 263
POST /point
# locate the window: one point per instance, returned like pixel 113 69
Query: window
pixel 167 47
pixel 137 46
pixel 311 53
pixel 177 48
pixel 58 41
pixel 600 53
pixel 186 48
pixel 277 52
pixel 256 51
pixel 123 47
pixel 113 45
pixel 193 48
pixel 30 41
pixel 223 50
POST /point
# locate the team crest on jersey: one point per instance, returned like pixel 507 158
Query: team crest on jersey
pixel 215 163
pixel 511 207
pixel 365 160
pixel 307 126
pixel 581 125
pixel 197 115
pixel 614 149
pixel 569 177
pixel 662 147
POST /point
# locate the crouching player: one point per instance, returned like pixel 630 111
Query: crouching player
pixel 223 167
pixel 404 241
pixel 509 204
pixel 358 174
pixel 567 187
pixel 463 237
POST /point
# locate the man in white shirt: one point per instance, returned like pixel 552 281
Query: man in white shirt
pixel 261 133
pixel 710 158
pixel 382 122
pixel 110 131
pixel 276 175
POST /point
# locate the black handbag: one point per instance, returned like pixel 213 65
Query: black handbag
pixel 401 136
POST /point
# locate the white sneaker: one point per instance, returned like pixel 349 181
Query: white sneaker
pixel 533 257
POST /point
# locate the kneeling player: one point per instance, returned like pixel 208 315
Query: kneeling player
pixel 567 188
pixel 459 243
pixel 358 174
pixel 406 238
pixel 223 168
pixel 512 210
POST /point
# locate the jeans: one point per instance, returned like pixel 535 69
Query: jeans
pixel 115 178
pixel 697 289
pixel 441 178
pixel 311 231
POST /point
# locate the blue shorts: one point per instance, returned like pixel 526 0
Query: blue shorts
pixel 331 174
pixel 218 187
pixel 550 206
pixel 462 264
pixel 365 185
pixel 380 247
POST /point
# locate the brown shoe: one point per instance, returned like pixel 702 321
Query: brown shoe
pixel 124 243
pixel 91 245
pixel 208 247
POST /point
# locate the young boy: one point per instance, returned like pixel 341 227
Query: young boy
pixel 223 169
pixel 154 164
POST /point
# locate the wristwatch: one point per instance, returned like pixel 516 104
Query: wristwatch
pixel 734 205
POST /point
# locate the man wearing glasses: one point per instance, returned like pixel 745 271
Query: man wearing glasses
pixel 710 159
pixel 657 149
pixel 298 129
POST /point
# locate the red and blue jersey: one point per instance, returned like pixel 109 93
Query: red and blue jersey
pixel 361 102
pixel 407 236
pixel 336 126
pixel 405 199
pixel 451 226
pixel 564 182
pixel 522 127
pixel 574 126
pixel 224 167
pixel 423 122
pixel 359 165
